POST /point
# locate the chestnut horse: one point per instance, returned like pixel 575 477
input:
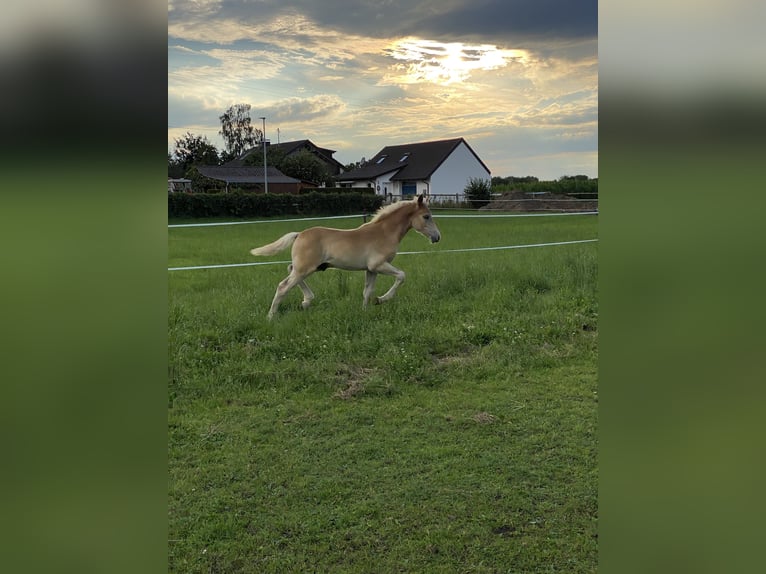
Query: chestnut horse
pixel 370 247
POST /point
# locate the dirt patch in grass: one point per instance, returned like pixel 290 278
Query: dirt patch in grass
pixel 352 381
pixel 504 530
pixel 484 418
pixel 458 357
pixel 517 200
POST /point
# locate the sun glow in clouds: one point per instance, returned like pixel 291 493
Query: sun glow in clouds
pixel 447 63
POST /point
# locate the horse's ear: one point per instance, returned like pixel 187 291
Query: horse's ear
pixel 420 200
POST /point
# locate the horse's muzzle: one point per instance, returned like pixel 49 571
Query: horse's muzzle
pixel 435 238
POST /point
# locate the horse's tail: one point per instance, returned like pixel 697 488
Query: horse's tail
pixel 279 245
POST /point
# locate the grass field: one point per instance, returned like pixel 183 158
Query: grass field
pixel 452 429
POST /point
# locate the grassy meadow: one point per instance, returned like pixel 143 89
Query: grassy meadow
pixel 452 429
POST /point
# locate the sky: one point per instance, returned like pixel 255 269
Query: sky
pixel 518 79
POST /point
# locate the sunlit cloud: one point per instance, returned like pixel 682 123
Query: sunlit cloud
pixel 355 93
pixel 293 34
pixel 446 63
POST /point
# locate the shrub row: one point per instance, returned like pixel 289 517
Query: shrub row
pixel 581 189
pixel 239 204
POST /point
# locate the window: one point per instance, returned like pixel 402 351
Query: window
pixel 405 156
pixel 381 159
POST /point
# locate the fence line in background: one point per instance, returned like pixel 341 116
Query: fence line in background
pixel 439 198
pixel 490 215
pixel 465 250
pixel 263 221
pixel 538 199
pixel 363 216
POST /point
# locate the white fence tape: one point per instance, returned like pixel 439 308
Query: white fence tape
pixel 472 216
pixel 262 221
pixel 433 252
pixel 360 215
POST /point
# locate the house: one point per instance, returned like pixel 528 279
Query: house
pixel 179 184
pixel 440 169
pixel 286 149
pixel 252 178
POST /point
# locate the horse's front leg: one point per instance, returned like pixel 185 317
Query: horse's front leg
pixel 388 269
pixel 369 285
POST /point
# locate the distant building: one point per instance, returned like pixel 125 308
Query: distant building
pixel 441 169
pixel 179 184
pixel 334 167
pixel 251 178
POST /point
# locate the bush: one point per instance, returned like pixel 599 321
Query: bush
pixel 573 186
pixel 238 204
pixel 478 191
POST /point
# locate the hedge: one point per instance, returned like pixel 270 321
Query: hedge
pixel 577 188
pixel 240 204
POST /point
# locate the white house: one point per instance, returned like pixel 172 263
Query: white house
pixel 441 169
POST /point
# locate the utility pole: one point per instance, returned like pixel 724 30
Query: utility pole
pixel 265 168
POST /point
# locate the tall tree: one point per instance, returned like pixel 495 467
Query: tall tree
pixel 237 130
pixel 191 150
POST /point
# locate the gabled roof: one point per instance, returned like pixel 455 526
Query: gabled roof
pixel 417 161
pixel 248 174
pixel 288 148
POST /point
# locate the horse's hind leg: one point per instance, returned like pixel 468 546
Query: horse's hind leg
pixel 284 286
pixel 369 286
pixel 308 294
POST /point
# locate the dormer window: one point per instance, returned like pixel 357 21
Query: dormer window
pixel 404 157
pixel 381 159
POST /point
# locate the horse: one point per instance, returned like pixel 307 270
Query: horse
pixel 370 247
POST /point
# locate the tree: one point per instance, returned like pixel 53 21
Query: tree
pixel 174 170
pixel 191 150
pixel 478 191
pixel 305 166
pixel 302 165
pixel 202 184
pixel 512 180
pixel 274 157
pixel 237 132
pixel 355 165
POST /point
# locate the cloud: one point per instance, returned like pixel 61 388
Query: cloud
pixel 298 110
pixel 445 63
pixel 523 20
pixel 348 78
pixel 438 19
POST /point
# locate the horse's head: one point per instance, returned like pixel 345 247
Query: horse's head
pixel 423 222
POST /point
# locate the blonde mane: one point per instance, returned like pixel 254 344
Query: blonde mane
pixel 390 209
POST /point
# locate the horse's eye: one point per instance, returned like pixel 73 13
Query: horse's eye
pixel 426 217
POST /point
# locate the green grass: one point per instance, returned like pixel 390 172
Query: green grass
pixel 452 429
